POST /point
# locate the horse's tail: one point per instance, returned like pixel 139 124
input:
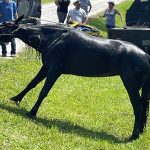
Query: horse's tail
pixel 145 98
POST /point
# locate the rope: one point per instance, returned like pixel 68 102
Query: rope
pixel 39 19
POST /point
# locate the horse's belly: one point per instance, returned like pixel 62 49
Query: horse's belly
pixel 90 64
pixel 90 71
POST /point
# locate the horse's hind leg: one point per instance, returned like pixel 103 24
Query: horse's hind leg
pixel 145 104
pixel 132 87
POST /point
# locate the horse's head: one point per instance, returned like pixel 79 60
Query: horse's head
pixel 7 28
pixel 21 29
pixel 37 36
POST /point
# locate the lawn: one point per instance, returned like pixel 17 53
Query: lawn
pixel 78 114
pixel 99 22
pixel 47 1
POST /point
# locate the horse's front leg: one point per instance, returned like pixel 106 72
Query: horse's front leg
pixel 38 78
pixel 52 76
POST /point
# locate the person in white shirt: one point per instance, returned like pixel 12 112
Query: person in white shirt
pixel 86 5
pixel 77 14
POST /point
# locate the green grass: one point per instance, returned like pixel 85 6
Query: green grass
pixel 78 114
pixel 47 1
pixel 99 22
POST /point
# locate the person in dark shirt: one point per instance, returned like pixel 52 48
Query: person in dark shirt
pixel 8 12
pixel 62 9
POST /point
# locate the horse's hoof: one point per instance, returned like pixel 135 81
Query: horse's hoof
pixel 133 138
pixel 142 130
pixel 15 101
pixel 30 115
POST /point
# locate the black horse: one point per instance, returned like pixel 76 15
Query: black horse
pixel 67 51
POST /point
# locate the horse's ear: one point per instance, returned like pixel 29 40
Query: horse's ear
pixel 19 19
pixel 34 40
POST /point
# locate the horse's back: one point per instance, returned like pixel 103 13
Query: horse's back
pixel 91 56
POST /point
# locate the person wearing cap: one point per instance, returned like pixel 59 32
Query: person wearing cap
pixel 110 14
pixel 77 14
pixel 86 5
pixel 62 9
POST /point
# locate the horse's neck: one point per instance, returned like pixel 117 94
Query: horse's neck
pixel 24 35
pixel 50 34
pixel 47 36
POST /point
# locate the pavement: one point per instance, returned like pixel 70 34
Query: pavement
pixel 49 15
pixel 49 10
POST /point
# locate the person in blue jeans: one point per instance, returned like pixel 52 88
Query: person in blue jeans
pixel 8 12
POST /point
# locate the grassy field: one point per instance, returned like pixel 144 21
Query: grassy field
pixel 99 22
pixel 78 114
pixel 47 1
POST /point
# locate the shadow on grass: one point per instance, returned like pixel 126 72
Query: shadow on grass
pixel 65 126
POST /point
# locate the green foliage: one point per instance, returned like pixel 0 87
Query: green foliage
pixel 78 114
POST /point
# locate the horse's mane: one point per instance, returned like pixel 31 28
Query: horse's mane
pixel 56 27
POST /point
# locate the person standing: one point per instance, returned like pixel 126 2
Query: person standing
pixel 86 5
pixel 62 9
pixel 110 14
pixel 8 12
pixel 77 14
